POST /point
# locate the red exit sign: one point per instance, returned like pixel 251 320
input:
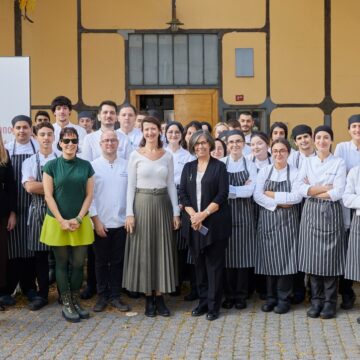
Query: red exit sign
pixel 239 97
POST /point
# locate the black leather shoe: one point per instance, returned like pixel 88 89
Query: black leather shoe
pixel 191 297
pixel 161 308
pixel 268 306
pixel 199 311
pixel 358 320
pixel 240 304
pixel 37 303
pixel 328 311
pixel 281 308
pixel 87 293
pixel 212 315
pixel 347 301
pixel 150 308
pixel 7 300
pixel 227 304
pixel 314 311
pixel 100 305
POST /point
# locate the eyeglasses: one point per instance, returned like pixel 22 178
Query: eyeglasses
pixel 68 141
pixel 112 141
pixel 203 143
pixel 237 142
pixel 281 151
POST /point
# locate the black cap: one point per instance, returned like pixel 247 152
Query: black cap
pixel 300 130
pixel 353 119
pixel 85 114
pixel 326 129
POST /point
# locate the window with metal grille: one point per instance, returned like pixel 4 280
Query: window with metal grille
pixel 173 59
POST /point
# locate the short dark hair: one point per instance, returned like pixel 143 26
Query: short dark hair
pixel 233 123
pixel 42 125
pixel 67 131
pixel 282 141
pixel 127 105
pixel 61 101
pixel 247 113
pixel 18 118
pixel 109 103
pixel 280 125
pixel 151 120
pixel 195 137
pixel 42 113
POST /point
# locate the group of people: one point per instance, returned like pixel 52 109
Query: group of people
pixel 230 209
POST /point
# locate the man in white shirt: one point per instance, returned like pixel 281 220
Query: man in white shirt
pixel 107 115
pixel 349 151
pixel 246 124
pixel 32 182
pixel 61 107
pixel 108 213
pixel 127 120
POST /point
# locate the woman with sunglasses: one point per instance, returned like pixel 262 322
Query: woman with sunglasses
pixel 278 227
pixel 68 187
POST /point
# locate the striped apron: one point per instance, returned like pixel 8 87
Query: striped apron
pixel 277 234
pixel 241 249
pixel 37 211
pixel 352 268
pixel 322 245
pixel 17 245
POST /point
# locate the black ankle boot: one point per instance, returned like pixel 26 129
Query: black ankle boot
pixel 150 308
pixel 161 307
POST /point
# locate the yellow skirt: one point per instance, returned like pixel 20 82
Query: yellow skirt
pixel 53 235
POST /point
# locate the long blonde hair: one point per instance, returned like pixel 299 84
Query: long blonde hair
pixel 3 153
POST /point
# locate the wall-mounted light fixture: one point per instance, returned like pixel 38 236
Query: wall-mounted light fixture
pixel 174 22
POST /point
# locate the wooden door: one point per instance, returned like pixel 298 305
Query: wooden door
pixel 198 104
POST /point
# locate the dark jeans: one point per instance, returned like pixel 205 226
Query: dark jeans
pixel 323 289
pixel 209 268
pixel 236 284
pixel 90 268
pixel 69 280
pixel 21 271
pixel 109 262
pixel 278 288
pixel 3 251
pixel 42 272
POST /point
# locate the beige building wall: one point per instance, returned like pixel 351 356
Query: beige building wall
pixel 7 45
pixel 252 88
pixel 103 64
pixel 297 51
pixel 339 124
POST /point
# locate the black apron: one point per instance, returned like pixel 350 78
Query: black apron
pixel 277 234
pixel 17 244
pixel 322 246
pixel 241 249
pixel 37 212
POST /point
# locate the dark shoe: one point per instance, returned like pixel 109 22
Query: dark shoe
pixel 161 307
pixel 68 311
pixel 262 296
pixel 328 311
pixel 240 304
pixel 100 305
pixel 281 308
pixel 347 301
pixel 268 306
pixel 199 311
pixel 7 300
pixel 314 311
pixel 132 294
pixel 212 315
pixel 358 320
pixel 2 307
pixel 52 277
pixel 118 304
pixel 87 293
pixel 177 292
pixel 83 313
pixel 150 308
pixel 31 295
pixel 192 296
pixel 227 304
pixel 37 303
pixel 297 298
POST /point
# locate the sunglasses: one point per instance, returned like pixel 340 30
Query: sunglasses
pixel 68 141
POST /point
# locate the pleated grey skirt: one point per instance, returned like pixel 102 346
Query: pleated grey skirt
pixel 150 255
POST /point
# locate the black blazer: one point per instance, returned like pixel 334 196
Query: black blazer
pixel 8 193
pixel 214 188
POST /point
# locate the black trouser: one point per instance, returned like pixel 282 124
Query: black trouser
pixel 278 288
pixel 90 269
pixel 346 287
pixel 21 270
pixel 299 284
pixel 236 284
pixel 3 251
pixel 109 262
pixel 323 289
pixel 209 275
pixel 42 272
pixel 256 282
pixel 183 266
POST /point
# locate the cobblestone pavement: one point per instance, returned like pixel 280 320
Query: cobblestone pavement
pixel 245 334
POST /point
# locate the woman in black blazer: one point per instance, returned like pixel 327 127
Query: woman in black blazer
pixel 204 190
